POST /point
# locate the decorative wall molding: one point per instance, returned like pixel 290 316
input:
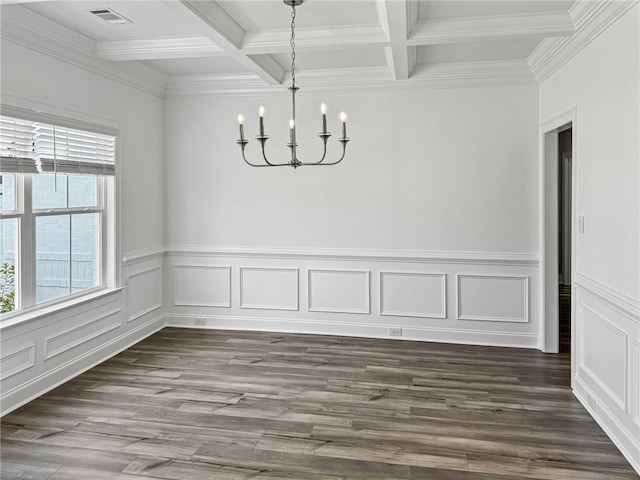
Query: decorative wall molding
pixel 627 443
pixel 354 329
pixel 157 48
pixel 58 344
pixel 335 283
pixel 620 398
pixel 607 369
pixel 144 255
pixel 496 73
pixel 591 19
pixel 613 297
pixel 425 314
pixel 447 30
pixel 27 321
pixel 17 361
pixel 34 387
pixel 405 256
pixel 634 382
pixel 29 29
pixel 503 73
pixel 332 299
pixel 246 294
pixel 154 304
pixel 460 315
pixel 225 298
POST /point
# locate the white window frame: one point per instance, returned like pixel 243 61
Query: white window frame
pixel 109 278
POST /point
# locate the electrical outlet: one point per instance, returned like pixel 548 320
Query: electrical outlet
pixel 581 224
pixel 200 321
pixel 592 403
pixel 395 332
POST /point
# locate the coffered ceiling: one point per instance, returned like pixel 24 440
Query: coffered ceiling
pixel 248 40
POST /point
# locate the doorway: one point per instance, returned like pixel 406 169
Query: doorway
pixel 564 237
pixel 557 234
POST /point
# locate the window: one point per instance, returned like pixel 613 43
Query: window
pixel 56 211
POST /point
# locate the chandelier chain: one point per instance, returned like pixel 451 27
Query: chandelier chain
pixel 293 44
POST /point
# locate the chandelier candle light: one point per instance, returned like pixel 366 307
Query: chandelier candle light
pixel 324 134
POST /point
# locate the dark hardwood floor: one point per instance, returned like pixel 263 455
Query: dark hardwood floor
pixel 205 404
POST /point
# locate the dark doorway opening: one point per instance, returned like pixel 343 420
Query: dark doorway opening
pixel 564 238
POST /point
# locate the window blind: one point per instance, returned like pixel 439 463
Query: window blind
pixel 27 147
pixel 17 154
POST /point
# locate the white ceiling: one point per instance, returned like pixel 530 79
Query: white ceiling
pixel 251 37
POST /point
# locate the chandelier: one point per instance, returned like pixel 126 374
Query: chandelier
pixel 324 134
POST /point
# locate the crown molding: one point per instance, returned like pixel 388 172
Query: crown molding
pixel 157 48
pixel 359 80
pixel 500 73
pixel 20 21
pixel 25 27
pixel 591 19
pixel 316 38
pixel 431 32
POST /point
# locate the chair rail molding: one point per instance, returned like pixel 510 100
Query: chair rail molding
pixel 412 256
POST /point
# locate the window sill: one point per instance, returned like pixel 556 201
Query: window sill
pixel 12 319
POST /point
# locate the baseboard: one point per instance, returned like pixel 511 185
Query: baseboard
pixel 352 329
pixel 51 379
pixel 628 446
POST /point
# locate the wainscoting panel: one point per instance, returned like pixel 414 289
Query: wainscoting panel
pixel 495 298
pixel 339 291
pixel 202 285
pixel 144 292
pixel 411 294
pixel 269 288
pixel 82 332
pixel 603 355
pixel 607 377
pixel 43 349
pixel 634 381
pixel 360 293
pixel 17 361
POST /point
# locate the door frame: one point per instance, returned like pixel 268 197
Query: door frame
pixel 548 228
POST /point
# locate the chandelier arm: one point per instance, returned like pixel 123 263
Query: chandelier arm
pixel 249 163
pixel 243 144
pixel 324 152
pixel 264 164
pixel 344 151
pixel 263 141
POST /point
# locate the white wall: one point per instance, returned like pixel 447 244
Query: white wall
pixel 51 347
pixel 429 220
pixel 450 170
pixel 602 82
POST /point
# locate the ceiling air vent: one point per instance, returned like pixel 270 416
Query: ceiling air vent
pixel 110 16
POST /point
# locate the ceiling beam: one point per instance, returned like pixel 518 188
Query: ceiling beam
pixel 229 36
pixel 189 46
pixel 458 30
pixel 331 38
pixel 398 19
